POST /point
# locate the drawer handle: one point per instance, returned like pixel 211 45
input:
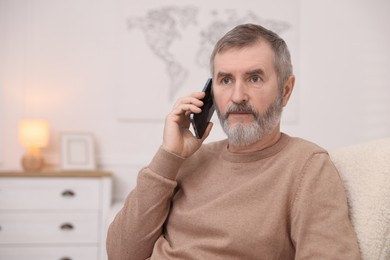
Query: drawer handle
pixel 65 258
pixel 68 193
pixel 67 227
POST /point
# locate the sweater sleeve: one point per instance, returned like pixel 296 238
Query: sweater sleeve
pixel 139 223
pixel 320 225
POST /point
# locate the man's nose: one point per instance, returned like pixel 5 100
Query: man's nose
pixel 239 94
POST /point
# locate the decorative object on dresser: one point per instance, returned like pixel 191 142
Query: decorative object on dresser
pixel 34 134
pixel 77 151
pixel 54 215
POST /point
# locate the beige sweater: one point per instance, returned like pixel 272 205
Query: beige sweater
pixel 284 202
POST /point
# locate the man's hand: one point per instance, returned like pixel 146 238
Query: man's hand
pixel 177 138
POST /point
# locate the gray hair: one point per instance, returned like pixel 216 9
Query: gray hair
pixel 249 34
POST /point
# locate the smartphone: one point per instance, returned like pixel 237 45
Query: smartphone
pixel 200 121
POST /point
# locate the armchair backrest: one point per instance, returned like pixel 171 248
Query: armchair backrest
pixel 365 171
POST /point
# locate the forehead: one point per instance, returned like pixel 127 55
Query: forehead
pixel 240 59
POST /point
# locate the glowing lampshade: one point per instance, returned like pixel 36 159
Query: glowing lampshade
pixel 34 134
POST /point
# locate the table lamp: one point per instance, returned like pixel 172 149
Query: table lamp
pixel 34 134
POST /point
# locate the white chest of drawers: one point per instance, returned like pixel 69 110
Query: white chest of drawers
pixel 54 215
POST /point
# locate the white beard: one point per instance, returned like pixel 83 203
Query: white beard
pixel 241 135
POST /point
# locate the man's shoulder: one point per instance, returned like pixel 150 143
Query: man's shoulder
pixel 301 145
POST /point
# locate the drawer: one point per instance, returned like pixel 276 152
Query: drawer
pixel 49 193
pixel 49 228
pixel 49 253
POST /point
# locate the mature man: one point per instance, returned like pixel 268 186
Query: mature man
pixel 260 194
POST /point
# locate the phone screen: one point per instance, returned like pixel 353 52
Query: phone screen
pixel 201 120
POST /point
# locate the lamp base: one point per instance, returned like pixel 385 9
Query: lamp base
pixel 32 163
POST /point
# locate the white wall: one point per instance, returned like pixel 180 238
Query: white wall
pixel 62 61
pixel 345 60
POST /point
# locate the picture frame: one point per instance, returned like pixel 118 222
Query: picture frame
pixel 77 151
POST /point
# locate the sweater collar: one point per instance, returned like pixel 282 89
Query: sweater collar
pixel 255 156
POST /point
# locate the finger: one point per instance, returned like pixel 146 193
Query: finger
pixel 198 94
pixel 194 98
pixel 188 101
pixel 188 113
pixel 186 109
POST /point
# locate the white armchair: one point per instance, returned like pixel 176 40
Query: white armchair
pixel 365 171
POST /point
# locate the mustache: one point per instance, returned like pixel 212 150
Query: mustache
pixel 241 108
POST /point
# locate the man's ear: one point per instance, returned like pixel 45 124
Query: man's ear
pixel 287 89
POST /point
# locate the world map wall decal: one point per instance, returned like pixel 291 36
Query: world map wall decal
pixel 164 26
pixel 165 48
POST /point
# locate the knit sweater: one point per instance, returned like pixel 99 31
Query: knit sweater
pixel 284 202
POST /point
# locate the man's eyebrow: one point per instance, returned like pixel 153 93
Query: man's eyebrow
pixel 255 71
pixel 258 71
pixel 224 74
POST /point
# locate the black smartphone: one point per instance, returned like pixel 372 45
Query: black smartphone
pixel 200 121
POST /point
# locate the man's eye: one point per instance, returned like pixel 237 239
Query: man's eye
pixel 255 79
pixel 226 81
